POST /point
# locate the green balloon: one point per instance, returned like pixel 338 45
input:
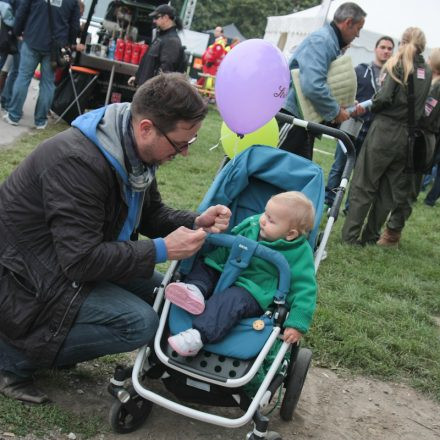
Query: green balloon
pixel 268 135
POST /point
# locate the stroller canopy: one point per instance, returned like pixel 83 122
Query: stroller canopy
pixel 247 182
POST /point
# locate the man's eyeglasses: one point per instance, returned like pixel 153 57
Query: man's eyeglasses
pixel 178 149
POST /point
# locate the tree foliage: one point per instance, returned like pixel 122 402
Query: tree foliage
pixel 250 16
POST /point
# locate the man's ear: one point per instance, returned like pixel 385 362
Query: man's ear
pixel 145 126
pixel 349 23
pixel 293 233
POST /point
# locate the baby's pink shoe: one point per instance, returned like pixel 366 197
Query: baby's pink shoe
pixel 186 296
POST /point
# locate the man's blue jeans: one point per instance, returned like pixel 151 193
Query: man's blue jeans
pixel 335 175
pixel 3 58
pixel 113 319
pixel 10 80
pixel 29 60
pixel 434 194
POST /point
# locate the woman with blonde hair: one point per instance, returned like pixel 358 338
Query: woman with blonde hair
pixel 430 123
pixel 380 182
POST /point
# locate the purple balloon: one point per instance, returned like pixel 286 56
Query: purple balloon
pixel 251 85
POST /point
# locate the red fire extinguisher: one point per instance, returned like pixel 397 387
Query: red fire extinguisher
pixel 120 49
pixel 136 53
pixel 144 49
pixel 128 51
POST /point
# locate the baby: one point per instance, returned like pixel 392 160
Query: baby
pixel 283 227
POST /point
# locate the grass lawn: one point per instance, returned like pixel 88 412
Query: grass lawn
pixel 378 309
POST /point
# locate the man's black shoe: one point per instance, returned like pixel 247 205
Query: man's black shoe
pixel 20 388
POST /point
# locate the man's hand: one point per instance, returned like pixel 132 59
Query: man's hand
pixel 184 242
pixel 131 80
pixel 291 335
pixel 358 111
pixel 343 115
pixel 215 219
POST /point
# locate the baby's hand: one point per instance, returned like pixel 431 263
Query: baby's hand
pixel 291 335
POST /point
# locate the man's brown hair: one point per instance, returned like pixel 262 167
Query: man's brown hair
pixel 167 99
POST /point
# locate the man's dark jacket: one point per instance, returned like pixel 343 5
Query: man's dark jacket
pixel 61 212
pixel 32 20
pixel 165 54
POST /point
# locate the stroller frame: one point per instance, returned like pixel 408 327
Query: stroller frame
pixel 270 383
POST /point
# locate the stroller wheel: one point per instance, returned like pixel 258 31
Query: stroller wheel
pixel 129 416
pixel 294 383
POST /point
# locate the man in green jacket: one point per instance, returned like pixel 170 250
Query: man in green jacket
pixel 282 227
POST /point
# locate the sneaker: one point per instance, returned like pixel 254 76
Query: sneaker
pixel 187 343
pixel 186 296
pixel 8 120
pixel 41 127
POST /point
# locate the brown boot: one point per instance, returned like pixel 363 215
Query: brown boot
pixel 389 238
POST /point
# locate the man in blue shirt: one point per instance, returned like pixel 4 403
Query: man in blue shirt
pixel 313 58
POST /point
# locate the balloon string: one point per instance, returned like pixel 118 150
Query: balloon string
pixel 221 138
pixel 235 147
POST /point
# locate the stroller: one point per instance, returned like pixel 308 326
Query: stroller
pixel 220 374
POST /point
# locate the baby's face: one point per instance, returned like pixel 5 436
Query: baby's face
pixel 275 222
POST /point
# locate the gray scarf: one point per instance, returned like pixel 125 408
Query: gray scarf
pixel 116 125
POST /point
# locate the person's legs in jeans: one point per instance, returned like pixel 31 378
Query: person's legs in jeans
pixel 47 90
pixel 112 319
pixel 335 174
pixel 428 178
pixel 434 193
pixel 10 80
pixel 29 60
pixel 3 58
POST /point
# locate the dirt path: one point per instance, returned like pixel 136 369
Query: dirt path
pixel 332 407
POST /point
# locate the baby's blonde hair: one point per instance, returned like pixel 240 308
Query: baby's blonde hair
pixel 301 209
pixel 413 42
pixel 434 61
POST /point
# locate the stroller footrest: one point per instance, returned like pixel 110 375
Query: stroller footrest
pixel 210 365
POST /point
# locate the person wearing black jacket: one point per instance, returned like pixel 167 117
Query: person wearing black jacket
pixel 75 282
pixel 33 22
pixel 166 51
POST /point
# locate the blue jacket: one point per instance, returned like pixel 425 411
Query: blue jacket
pixel 313 58
pixel 32 20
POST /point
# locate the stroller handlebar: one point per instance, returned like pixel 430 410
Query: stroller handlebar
pixel 315 128
pixel 242 250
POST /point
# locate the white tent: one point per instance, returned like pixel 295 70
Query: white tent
pixel 384 17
